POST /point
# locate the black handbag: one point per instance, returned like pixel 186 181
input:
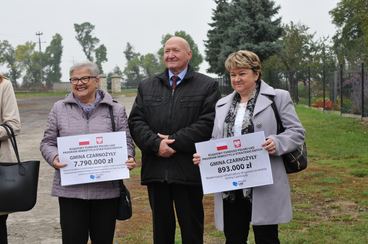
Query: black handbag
pixel 296 160
pixel 18 181
pixel 124 205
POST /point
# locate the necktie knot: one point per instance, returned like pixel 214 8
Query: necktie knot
pixel 174 80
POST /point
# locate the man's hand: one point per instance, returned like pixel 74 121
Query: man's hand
pixel 165 150
pixel 163 136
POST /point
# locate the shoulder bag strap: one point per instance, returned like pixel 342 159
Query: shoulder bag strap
pixel 280 127
pixel 112 118
pixel 114 129
pixel 12 139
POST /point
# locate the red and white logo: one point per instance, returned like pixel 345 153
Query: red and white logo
pixel 84 142
pixel 237 143
pixel 99 140
pixel 221 146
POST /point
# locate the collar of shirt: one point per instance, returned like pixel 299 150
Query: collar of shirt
pixel 181 75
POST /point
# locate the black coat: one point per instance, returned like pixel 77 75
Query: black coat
pixel 187 115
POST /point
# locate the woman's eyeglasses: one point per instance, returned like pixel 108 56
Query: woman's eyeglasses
pixel 84 79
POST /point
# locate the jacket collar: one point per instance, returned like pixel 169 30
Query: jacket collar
pixel 164 76
pixel 107 98
pixel 262 102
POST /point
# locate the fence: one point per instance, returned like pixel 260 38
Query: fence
pixel 344 90
pixel 341 89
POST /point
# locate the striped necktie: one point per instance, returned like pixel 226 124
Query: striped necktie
pixel 174 80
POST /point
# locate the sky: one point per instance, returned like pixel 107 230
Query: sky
pixel 140 22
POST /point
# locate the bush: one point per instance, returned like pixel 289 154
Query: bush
pixel 329 105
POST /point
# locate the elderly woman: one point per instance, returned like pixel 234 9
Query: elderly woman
pixel 246 110
pixel 9 115
pixel 85 209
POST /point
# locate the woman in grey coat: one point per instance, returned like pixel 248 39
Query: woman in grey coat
pixel 246 110
pixel 85 209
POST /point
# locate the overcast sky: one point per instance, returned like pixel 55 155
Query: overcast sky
pixel 140 22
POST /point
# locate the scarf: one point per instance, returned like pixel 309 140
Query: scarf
pixel 88 108
pixel 247 127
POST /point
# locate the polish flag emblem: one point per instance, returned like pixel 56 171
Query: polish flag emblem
pixel 237 143
pixel 221 146
pixel 84 142
pixel 99 140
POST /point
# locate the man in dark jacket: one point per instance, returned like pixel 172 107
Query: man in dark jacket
pixel 172 111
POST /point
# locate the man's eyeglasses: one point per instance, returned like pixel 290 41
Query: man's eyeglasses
pixel 84 79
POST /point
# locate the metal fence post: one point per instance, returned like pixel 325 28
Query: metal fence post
pixel 341 93
pixel 324 86
pixel 362 90
pixel 309 87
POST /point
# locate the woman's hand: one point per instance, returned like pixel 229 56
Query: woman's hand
pixel 56 163
pixel 131 164
pixel 270 146
pixel 196 159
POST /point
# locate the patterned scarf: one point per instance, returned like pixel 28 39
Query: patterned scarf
pixel 247 127
pixel 88 108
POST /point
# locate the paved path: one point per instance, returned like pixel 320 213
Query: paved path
pixel 41 224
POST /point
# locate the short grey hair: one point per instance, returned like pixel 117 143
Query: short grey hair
pixel 92 68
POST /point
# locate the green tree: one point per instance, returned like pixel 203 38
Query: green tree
pixel 351 39
pixel 116 71
pixel 220 22
pixel 197 58
pixel 139 66
pixel 89 44
pixel 7 56
pixel 86 39
pixel 101 56
pixel 53 55
pixel 150 65
pixel 132 70
pixel 129 52
pixel 242 24
pixel 296 44
pixel 33 62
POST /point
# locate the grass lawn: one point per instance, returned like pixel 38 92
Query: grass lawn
pixel 330 198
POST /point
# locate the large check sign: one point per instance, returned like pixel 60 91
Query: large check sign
pixel 234 163
pixel 93 158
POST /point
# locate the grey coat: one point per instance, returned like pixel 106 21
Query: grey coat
pixel 66 119
pixel 271 204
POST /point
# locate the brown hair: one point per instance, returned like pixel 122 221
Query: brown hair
pixel 244 59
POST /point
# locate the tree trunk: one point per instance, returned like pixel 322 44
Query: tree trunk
pixel 292 86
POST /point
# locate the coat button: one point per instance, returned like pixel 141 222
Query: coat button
pixel 259 125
